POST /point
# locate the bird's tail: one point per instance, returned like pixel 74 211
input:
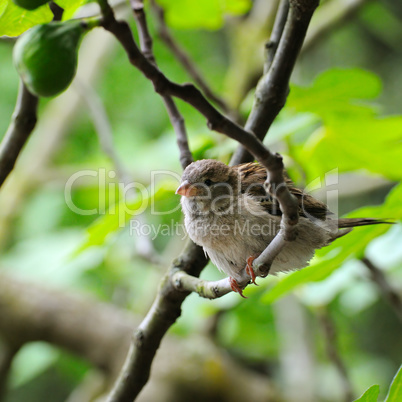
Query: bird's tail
pixel 347 224
pixel 352 222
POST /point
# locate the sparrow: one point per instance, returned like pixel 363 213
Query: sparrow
pixel 228 212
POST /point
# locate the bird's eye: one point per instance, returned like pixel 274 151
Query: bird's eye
pixel 208 182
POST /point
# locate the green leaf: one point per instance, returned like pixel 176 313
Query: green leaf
pixel 15 20
pixel 353 244
pixel 371 395
pixel 313 273
pixel 33 359
pixel 335 93
pixel 352 136
pixel 208 14
pixel 340 144
pixel 395 390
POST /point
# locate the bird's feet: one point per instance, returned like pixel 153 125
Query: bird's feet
pixel 250 270
pixel 236 287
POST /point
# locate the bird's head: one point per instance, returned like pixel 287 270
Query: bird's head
pixel 209 183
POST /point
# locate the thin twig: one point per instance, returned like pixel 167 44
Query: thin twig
pixel 56 10
pixel 272 45
pixel 22 124
pixel 273 87
pixel 330 338
pixel 175 116
pixel 185 59
pixel 206 289
pixel 392 297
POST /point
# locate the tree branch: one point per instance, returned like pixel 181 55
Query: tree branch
pixel 330 338
pixel 22 124
pixel 272 45
pixel 273 87
pixel 163 313
pixel 184 58
pixel 206 289
pixel 388 292
pixel 175 116
pixel 96 331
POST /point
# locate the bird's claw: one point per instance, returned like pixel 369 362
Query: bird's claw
pixel 236 288
pixel 250 270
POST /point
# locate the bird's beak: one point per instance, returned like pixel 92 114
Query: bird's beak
pixel 186 189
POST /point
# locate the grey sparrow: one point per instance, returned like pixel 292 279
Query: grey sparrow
pixel 228 212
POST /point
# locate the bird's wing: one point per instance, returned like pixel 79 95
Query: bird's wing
pixel 252 178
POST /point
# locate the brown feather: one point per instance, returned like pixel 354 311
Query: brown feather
pixel 253 176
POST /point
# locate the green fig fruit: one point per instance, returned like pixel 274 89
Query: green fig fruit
pixel 46 56
pixel 30 4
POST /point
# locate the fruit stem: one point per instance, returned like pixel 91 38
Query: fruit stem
pixel 90 23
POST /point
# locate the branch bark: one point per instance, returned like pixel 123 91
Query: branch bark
pixel 330 338
pixel 22 124
pixel 146 340
pixel 185 60
pixel 206 289
pixel 272 45
pixel 392 297
pixel 98 332
pixel 175 116
pixel 273 87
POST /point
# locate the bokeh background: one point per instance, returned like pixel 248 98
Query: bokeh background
pixel 326 333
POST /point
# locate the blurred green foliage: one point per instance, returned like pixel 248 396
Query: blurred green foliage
pixel 338 116
pixel 209 14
